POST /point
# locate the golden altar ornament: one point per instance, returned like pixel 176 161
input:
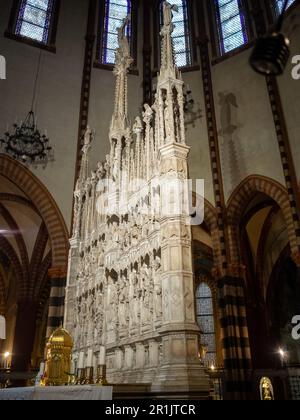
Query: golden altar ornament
pixel 59 355
pixel 266 390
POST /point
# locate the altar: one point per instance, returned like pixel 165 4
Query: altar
pixel 60 393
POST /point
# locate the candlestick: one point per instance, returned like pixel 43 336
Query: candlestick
pixel 89 362
pixel 81 361
pixel 101 376
pixel 102 356
pixel 89 376
pixel 80 378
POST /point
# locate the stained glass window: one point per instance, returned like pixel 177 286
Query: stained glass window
pixel 279 5
pixel 231 24
pixel 115 13
pixel 205 319
pixel 34 19
pixel 181 35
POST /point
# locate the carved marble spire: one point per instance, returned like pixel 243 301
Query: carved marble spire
pixel 168 67
pixel 169 100
pixel 122 65
pixel 85 167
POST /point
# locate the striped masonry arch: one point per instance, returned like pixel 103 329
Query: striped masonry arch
pixel 242 196
pixel 42 200
pixel 232 288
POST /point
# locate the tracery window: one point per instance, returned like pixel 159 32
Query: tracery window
pixel 232 29
pixel 279 5
pixel 115 11
pixel 206 321
pixel 34 19
pixel 182 33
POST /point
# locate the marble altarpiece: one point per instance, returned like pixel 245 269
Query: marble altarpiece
pixel 130 281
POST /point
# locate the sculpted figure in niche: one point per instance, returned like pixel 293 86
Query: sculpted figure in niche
pixel 98 322
pixel 100 170
pixel 138 125
pixel 112 304
pixel 145 277
pixel 107 165
pixel 123 316
pixel 100 255
pixel 115 233
pixel 88 136
pixel 115 171
pixel 157 287
pixel 148 113
pixel 167 122
pixel 134 233
pixel 145 310
pixel 134 298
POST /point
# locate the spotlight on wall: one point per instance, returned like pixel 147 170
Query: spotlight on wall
pixel 283 357
pixel 271 52
pixel 282 353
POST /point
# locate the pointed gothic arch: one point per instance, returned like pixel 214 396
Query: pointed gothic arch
pixel 241 198
pixel 45 205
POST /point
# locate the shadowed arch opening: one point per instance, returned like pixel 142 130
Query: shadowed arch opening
pixel 243 195
pixel 34 239
pixel 45 205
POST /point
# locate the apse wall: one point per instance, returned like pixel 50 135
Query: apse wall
pixel 248 143
pixel 58 98
pixel 247 136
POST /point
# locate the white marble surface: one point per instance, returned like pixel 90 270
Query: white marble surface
pixel 78 393
pixel 2 328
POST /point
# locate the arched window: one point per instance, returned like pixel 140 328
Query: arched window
pixel 182 33
pixel 231 21
pixel 114 14
pixel 34 19
pixel 206 322
pixel 279 5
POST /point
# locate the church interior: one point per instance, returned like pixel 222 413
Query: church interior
pixel 101 92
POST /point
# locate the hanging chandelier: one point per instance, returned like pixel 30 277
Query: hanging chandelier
pixel 271 52
pixel 25 143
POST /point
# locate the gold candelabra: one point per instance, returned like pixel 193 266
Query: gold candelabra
pixel 101 375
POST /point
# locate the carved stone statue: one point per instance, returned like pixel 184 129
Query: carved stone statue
pixel 167 12
pixel 157 300
pixel 123 304
pixel 88 136
pixel 111 305
pixel 124 48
